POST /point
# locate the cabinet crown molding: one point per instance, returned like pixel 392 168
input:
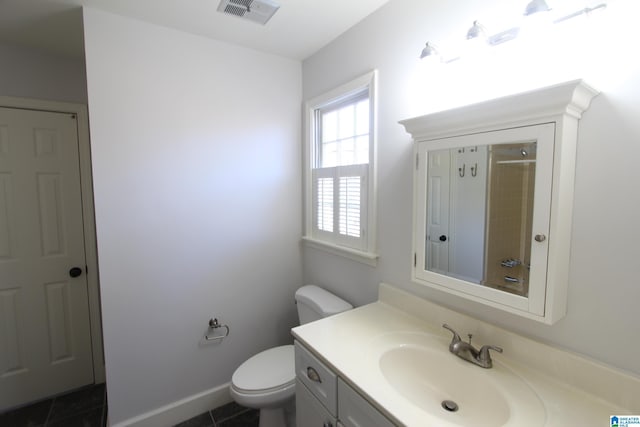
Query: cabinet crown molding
pixel 548 104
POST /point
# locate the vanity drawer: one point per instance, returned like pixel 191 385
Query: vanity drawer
pixel 309 411
pixel 317 377
pixel 355 411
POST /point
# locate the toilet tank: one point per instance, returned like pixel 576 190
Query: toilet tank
pixel 314 303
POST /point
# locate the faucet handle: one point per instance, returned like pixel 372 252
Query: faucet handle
pixel 456 338
pixel 484 357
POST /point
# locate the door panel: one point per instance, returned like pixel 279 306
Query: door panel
pixel 10 348
pixel 59 319
pixel 45 342
pixel 6 200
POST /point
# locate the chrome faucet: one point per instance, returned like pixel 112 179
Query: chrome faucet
pixel 466 351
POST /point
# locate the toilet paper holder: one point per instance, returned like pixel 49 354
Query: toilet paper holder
pixel 211 333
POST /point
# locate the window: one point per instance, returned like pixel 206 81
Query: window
pixel 340 190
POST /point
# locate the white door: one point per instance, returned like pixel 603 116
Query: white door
pixel 438 185
pixel 45 342
pixel 467 213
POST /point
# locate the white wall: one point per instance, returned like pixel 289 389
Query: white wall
pixel 602 318
pixel 196 163
pixel 29 73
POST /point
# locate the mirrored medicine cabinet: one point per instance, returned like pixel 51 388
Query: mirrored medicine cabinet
pixel 493 199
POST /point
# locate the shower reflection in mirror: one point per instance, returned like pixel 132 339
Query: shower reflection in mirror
pixel 479 214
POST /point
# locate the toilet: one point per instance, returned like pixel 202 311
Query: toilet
pixel 267 380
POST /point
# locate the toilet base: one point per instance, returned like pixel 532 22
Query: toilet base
pixel 280 416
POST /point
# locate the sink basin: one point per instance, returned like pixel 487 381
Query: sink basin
pixel 420 368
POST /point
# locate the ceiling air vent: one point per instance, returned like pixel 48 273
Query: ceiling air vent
pixel 259 11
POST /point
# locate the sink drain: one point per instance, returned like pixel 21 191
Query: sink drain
pixel 450 405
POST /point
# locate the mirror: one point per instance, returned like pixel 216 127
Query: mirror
pixel 493 199
pixel 479 200
pixel 480 212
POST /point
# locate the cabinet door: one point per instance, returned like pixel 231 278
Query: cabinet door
pixel 309 411
pixel 355 411
pixel 512 185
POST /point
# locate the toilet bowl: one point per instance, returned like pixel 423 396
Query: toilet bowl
pixel 266 381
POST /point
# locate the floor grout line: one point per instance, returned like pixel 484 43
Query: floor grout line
pixel 46 421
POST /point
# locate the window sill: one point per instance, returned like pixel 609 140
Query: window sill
pixel 368 258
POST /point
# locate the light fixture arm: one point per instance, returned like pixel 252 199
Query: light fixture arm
pixel 585 11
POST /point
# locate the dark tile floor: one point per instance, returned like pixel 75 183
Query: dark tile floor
pixel 87 407
pixel 229 415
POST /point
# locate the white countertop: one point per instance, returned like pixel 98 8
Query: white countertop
pixel 574 391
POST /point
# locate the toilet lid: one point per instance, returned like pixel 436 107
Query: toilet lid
pixel 273 368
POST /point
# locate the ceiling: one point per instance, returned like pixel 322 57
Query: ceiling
pixel 297 30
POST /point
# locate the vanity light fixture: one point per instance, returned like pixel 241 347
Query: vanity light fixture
pixel 478 31
pixel 429 51
pixel 536 6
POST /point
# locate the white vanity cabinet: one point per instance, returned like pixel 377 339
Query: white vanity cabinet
pixel 323 399
pixel 355 411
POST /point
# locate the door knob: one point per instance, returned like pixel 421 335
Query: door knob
pixel 443 238
pixel 75 272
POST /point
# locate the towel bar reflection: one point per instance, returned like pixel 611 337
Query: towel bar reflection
pixel 213 326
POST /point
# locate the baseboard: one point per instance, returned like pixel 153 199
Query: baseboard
pixel 180 410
